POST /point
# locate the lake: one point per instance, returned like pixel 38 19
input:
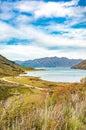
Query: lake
pixel 59 74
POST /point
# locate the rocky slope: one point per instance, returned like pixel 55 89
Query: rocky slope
pixel 81 65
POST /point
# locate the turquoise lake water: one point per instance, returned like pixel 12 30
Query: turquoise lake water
pixel 59 74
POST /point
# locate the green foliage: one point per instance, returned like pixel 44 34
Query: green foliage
pixel 25 68
pixel 7 90
pixel 10 68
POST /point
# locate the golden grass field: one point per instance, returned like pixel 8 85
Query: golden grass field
pixel 29 103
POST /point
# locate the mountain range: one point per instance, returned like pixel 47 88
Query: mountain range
pixel 50 62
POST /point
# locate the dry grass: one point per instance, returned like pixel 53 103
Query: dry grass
pixel 64 108
pixel 36 81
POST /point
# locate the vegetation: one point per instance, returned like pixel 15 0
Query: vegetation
pixel 33 81
pixel 9 68
pixel 81 65
pixel 29 103
pixel 27 68
pixel 57 106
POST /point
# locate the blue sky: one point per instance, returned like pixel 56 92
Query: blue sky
pixel 32 29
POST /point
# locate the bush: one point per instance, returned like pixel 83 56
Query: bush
pixel 83 81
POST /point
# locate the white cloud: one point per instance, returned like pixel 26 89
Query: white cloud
pixel 68 32
pixel 41 9
pixel 6 10
pixel 27 6
pixel 22 52
pixel 23 19
pixel 50 9
pixel 71 3
pixel 41 38
pixel 59 10
pixel 6 15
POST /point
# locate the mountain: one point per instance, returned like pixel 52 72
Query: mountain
pixel 81 65
pixel 50 62
pixel 9 68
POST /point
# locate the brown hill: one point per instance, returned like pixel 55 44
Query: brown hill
pixel 81 65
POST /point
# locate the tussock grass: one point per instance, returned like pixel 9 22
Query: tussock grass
pixel 36 81
pixel 64 108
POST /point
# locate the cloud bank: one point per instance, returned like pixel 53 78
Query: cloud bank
pixel 33 29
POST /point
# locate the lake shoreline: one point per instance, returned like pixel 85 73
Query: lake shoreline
pixel 57 74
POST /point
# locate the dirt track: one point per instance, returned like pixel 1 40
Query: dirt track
pixel 26 85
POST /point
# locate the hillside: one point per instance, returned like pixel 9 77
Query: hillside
pixel 50 62
pixel 9 68
pixel 81 65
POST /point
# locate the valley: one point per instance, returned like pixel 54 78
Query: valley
pixel 30 103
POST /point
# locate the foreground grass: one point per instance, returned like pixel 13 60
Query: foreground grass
pixel 62 108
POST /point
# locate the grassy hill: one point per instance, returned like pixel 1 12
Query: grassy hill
pixel 9 68
pixel 81 65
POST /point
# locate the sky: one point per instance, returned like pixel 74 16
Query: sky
pixel 32 29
